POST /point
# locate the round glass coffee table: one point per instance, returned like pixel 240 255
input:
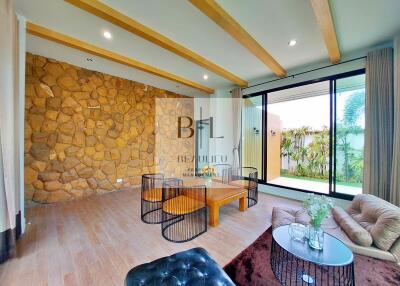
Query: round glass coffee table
pixel 295 263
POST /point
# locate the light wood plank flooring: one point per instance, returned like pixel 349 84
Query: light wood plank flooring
pixel 95 241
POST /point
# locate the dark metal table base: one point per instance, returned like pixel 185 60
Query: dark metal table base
pixel 291 270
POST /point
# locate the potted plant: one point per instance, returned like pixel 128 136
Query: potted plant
pixel 207 173
pixel 318 208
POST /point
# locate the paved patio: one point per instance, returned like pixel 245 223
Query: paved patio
pixel 318 187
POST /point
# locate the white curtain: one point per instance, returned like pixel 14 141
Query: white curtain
pixel 236 125
pixel 8 144
pixel 395 184
pixel 379 123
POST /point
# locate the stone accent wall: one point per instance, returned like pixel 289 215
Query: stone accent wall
pixel 85 129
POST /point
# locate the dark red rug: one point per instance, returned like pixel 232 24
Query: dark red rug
pixel 252 267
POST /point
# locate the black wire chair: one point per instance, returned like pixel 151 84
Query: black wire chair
pixel 184 211
pixel 151 198
pixel 224 173
pixel 246 177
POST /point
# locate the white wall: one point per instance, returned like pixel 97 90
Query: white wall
pixel 203 104
pixel 221 111
pixel 396 47
pixel 20 120
pixel 218 106
pixel 329 71
pixel 9 203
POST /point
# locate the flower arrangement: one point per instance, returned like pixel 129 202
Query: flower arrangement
pixel 208 171
pixel 318 208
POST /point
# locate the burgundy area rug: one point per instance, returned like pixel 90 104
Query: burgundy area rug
pixel 252 267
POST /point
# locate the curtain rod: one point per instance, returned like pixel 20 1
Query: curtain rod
pixel 293 75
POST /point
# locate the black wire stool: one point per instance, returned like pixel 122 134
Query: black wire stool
pixel 246 177
pixel 184 211
pixel 151 198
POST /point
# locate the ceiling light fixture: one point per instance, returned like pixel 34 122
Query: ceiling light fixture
pixel 107 35
pixel 292 43
pixel 205 77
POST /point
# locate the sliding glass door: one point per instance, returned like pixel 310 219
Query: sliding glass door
pixel 298 128
pixel 308 137
pixel 349 134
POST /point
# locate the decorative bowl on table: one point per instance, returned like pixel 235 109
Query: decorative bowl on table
pixel 298 231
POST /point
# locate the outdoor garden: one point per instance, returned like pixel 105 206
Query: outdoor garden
pixel 305 151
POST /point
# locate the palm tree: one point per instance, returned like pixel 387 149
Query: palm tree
pixel 303 132
pixel 357 166
pixel 353 109
pixel 286 147
pixel 318 154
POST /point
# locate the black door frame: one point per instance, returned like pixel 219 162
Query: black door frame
pixel 332 147
pixel 198 134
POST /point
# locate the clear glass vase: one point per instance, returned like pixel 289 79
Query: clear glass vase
pixel 315 238
pixel 208 180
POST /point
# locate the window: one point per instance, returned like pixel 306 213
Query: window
pixel 349 134
pixel 308 137
pixel 298 128
pixel 252 130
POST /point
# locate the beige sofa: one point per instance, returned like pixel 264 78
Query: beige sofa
pixel 370 226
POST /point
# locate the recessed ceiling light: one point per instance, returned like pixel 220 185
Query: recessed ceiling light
pixel 292 43
pixel 205 77
pixel 107 35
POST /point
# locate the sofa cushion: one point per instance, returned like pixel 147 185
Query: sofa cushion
pixel 354 231
pixel 380 218
pixel 283 216
pixel 331 227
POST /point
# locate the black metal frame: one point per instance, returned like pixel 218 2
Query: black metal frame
pixel 305 72
pixel 151 209
pixel 291 270
pixel 332 149
pixel 249 174
pixel 224 171
pixel 198 123
pixel 185 226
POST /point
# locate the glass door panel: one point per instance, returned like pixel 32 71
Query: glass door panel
pixel 298 137
pixel 202 143
pixel 349 134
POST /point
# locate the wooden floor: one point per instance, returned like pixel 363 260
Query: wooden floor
pixel 95 241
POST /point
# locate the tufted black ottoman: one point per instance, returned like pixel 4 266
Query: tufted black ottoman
pixel 190 267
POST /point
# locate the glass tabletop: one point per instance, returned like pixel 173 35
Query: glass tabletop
pixel 334 253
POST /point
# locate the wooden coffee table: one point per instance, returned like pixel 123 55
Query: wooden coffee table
pixel 219 194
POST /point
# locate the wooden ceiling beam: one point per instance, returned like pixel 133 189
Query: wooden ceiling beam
pixel 323 14
pixel 113 16
pixel 216 13
pixel 94 50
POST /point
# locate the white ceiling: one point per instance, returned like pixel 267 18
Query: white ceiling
pixel 365 23
pixel 359 24
pixel 52 50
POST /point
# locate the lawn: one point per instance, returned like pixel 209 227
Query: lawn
pixel 347 184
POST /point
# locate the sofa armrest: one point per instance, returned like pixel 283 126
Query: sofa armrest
pixel 352 228
pixel 395 250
